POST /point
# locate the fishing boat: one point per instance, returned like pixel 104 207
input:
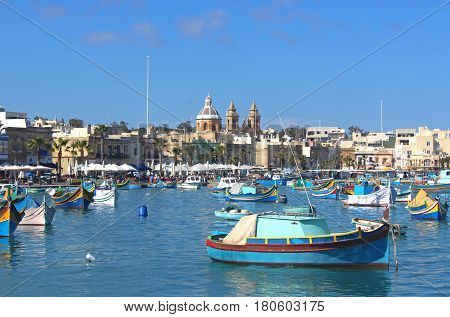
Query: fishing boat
pixel 80 198
pixel 165 184
pixel 9 218
pixel 300 209
pixel 188 186
pixel 225 183
pixel 104 196
pixel 430 187
pixel 426 207
pixel 331 191
pixel 384 197
pixel 403 196
pixel 219 193
pixel 303 240
pixel 252 192
pixel 35 214
pixel 232 213
pixel 370 225
pixel 127 184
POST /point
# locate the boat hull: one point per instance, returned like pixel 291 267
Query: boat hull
pixel 434 212
pixel 326 194
pixel 270 195
pixel 39 216
pixel 229 216
pixel 9 219
pixel 79 199
pixel 105 197
pixel 371 250
pixel 434 187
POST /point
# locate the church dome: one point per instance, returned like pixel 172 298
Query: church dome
pixel 208 112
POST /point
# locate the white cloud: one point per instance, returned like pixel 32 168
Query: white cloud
pixel 150 32
pixel 101 37
pixel 199 26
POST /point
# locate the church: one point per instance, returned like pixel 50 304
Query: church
pixel 209 121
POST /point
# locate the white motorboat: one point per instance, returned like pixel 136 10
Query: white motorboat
pixel 105 197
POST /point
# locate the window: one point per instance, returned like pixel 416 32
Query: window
pixel 135 151
pixel 428 143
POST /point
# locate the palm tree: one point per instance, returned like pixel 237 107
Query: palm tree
pixel 221 150
pixel 101 130
pixel 176 151
pixel 281 156
pixel 37 144
pixel 59 145
pixel 188 152
pixel 83 147
pixel 160 146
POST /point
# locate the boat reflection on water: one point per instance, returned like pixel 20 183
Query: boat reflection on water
pixel 253 280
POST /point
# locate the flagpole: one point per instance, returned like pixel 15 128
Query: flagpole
pixel 148 70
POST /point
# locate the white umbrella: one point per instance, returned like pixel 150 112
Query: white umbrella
pixel 152 166
pixel 172 167
pixel 75 168
pixel 112 168
pixel 128 168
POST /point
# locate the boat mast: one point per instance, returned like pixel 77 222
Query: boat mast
pixel 148 68
pixel 381 111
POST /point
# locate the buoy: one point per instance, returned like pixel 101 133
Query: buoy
pixel 282 199
pixel 143 211
pixel 90 258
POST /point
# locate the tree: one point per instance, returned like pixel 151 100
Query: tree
pixel 188 151
pixel 82 147
pixel 76 123
pixel 221 151
pixel 185 126
pixel 176 151
pixel 355 129
pixel 101 131
pixel 160 146
pixel 37 145
pixel 59 145
pixel 281 156
pixel 123 126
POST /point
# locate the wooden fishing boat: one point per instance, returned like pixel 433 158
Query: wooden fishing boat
pixel 331 191
pixel 426 207
pixel 370 225
pixel 126 185
pixel 383 197
pixel 303 240
pixel 34 213
pixel 241 192
pixel 104 196
pixel 79 198
pixel 165 184
pixel 232 213
pixel 9 218
pixel 403 196
pixel 430 187
pixel 189 186
pixel 219 193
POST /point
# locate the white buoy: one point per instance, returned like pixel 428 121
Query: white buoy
pixel 90 258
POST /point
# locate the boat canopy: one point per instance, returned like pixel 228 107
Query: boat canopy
pixel 246 227
pixel 290 226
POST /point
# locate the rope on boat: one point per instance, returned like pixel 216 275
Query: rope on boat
pixel 311 208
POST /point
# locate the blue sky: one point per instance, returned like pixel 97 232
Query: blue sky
pixel 274 52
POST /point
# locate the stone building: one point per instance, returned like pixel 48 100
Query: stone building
pixel 208 119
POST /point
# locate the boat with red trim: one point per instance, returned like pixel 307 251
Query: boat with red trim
pixel 298 240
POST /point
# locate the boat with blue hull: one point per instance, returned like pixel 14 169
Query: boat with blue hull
pixel 232 213
pixel 9 218
pixel 127 185
pixel 79 198
pixel 427 208
pixel 252 193
pixel 431 187
pixel 331 191
pixel 298 240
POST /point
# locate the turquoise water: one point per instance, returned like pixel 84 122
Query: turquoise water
pixel 165 254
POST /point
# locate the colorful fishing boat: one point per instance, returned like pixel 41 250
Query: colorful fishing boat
pixel 303 240
pixel 9 218
pixel 252 193
pixel 232 213
pixel 430 187
pixel 104 196
pixel 219 193
pixel 403 196
pixel 127 184
pixel 80 198
pixel 426 207
pixel 384 197
pixel 331 191
pixel 370 225
pixel 35 214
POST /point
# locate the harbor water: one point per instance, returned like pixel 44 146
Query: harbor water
pixel 164 254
